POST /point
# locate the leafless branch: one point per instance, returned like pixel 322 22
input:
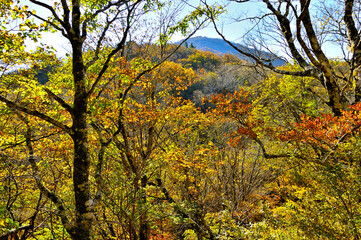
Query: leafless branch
pixel 36 175
pixel 59 100
pixel 36 113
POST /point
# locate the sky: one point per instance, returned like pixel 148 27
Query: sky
pixel 232 29
pixel 54 39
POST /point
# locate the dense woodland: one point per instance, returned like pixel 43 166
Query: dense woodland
pixel 130 136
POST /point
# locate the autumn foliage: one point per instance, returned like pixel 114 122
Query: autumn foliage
pixel 144 139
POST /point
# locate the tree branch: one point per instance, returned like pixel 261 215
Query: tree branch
pixel 114 51
pixel 299 37
pixel 51 23
pixel 96 13
pixel 352 31
pixel 287 33
pixel 305 73
pixel 307 23
pixel 52 10
pixel 59 100
pixel 309 70
pixel 66 15
pixel 99 167
pixel 99 42
pixel 36 175
pixel 36 113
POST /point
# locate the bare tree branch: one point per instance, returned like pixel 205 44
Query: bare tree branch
pixel 36 175
pixel 115 50
pixel 50 23
pixel 52 10
pixel 96 13
pixel 287 33
pixel 36 113
pixel 352 31
pixel 100 41
pixel 59 100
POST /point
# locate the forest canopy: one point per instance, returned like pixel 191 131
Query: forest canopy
pixel 131 136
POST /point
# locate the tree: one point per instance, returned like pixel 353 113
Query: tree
pixel 86 25
pixel 202 60
pixel 314 157
pixel 306 45
pixel 324 197
pixel 288 120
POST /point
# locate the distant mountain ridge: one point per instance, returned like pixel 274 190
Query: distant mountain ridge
pixel 218 46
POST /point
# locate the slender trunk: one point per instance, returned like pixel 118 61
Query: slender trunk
pixel 144 225
pixel 81 162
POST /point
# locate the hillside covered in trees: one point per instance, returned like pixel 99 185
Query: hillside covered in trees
pixel 133 136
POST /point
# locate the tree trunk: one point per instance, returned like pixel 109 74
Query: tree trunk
pixel 81 162
pixel 144 225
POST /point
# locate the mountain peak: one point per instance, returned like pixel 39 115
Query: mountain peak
pixel 219 46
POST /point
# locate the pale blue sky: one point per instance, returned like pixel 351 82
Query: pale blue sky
pixel 231 29
pixel 235 30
